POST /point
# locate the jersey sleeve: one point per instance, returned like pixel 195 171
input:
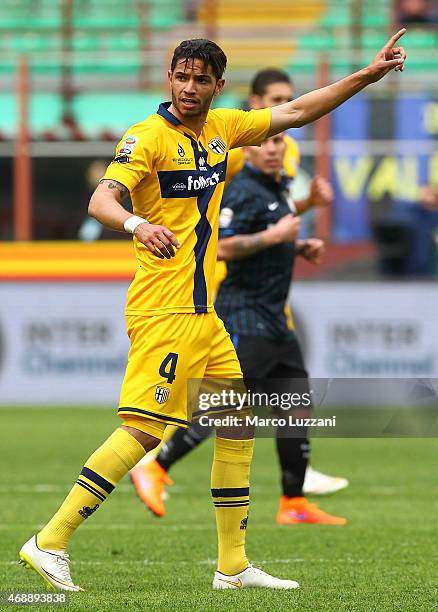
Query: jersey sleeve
pixel 238 212
pixel 235 163
pixel 292 157
pixel 247 128
pixel 134 158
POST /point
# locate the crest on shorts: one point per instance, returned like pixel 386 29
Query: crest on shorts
pixel 162 394
pixel 218 146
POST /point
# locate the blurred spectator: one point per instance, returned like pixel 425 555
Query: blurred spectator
pixel 191 10
pixel 406 237
pixel 417 11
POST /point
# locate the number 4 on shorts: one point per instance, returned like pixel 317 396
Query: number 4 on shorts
pixel 169 362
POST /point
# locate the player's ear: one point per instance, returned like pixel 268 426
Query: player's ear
pixel 254 101
pixel 250 152
pixel 219 86
pixel 169 76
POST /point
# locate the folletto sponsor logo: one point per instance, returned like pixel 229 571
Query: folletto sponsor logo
pixel 202 182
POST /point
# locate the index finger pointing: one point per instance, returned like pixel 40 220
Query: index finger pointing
pixel 391 42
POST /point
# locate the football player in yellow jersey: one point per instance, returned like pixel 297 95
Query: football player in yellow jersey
pixel 269 87
pixel 173 164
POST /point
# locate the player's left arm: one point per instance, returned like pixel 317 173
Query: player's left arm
pixel 320 196
pixel 241 246
pixel 315 104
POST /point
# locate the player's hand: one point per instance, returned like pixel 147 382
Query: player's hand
pixel 321 192
pixel 157 239
pixel 429 197
pixel 312 249
pixel 285 230
pixel 388 58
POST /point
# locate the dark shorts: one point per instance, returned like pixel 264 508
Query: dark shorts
pixel 262 358
pixel 272 369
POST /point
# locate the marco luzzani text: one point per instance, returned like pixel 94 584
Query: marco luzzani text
pixel 229 399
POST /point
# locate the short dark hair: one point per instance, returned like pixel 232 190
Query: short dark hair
pixel 264 78
pixel 202 49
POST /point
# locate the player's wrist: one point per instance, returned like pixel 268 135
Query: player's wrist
pixel 300 247
pixel 303 205
pixel 367 75
pixel 131 223
pixel 270 237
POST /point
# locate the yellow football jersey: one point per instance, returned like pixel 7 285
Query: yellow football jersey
pixel 176 179
pixel 236 160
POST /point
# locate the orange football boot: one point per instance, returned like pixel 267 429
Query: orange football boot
pixel 149 479
pixel 294 510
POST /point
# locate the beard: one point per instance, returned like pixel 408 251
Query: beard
pixel 202 107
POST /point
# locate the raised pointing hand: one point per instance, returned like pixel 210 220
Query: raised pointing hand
pixel 388 58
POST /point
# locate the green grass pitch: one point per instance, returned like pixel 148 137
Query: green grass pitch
pixel 385 559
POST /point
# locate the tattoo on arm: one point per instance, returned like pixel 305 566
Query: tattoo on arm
pixel 244 246
pixel 115 185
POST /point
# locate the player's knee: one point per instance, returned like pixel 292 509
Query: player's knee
pixel 148 441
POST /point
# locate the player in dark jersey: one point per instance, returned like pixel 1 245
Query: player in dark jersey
pixel 257 240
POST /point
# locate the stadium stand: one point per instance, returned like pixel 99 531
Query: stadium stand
pixel 79 49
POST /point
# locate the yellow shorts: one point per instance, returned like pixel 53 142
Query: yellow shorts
pixel 166 351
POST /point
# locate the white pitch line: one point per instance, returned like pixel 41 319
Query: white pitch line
pixel 213 562
pixel 148 562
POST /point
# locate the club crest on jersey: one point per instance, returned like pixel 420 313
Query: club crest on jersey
pixel 162 394
pixel 181 151
pixel 218 146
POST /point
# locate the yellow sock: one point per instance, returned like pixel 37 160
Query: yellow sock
pixel 103 470
pixel 230 492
